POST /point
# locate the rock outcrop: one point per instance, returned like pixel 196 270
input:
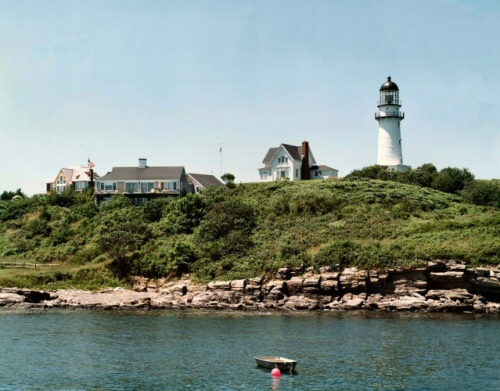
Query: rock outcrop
pixel 439 287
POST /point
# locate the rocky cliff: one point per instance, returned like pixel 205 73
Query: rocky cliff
pixel 439 287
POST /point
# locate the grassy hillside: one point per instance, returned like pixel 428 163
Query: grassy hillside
pixel 251 230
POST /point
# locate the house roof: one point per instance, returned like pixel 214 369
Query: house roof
pixel 143 174
pixel 68 173
pixel 294 151
pixel 269 155
pixel 323 167
pixel 81 174
pixel 75 174
pixel 206 180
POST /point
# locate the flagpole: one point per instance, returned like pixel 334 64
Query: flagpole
pixel 220 152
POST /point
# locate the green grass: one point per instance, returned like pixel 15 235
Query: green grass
pixel 251 230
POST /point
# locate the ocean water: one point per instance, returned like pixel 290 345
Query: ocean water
pixel 168 350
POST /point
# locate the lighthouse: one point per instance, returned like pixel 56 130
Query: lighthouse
pixel 389 132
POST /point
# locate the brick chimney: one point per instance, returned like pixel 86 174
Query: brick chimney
pixel 305 170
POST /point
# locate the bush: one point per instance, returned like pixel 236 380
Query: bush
pixel 482 193
pixel 183 215
pixel 118 201
pixel 154 210
pixel 339 254
pixel 167 257
pixel 120 232
pixel 452 180
pixel 225 217
pixel 311 202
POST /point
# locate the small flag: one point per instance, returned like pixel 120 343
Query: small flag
pixel 220 149
pixel 91 165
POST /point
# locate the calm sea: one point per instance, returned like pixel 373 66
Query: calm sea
pixel 92 350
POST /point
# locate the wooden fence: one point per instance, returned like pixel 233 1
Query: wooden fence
pixel 25 265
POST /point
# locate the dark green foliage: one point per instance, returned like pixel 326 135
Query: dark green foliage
pixel 482 193
pixel 155 209
pixel 122 231
pixel 226 229
pixel 422 176
pixel 68 198
pixel 255 229
pixel 8 195
pixel 11 210
pixel 340 254
pixel 167 257
pixel 228 179
pixel 375 172
pixel 449 180
pixel 118 201
pixel 226 217
pixel 183 215
pixel 452 180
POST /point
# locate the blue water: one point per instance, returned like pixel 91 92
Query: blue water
pixel 92 350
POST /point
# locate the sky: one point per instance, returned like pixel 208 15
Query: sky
pixel 172 81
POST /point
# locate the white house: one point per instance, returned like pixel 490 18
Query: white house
pixel 79 178
pixel 295 163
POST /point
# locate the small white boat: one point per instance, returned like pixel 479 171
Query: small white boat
pixel 282 363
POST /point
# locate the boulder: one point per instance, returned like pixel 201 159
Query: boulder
pixel 252 288
pixel 140 284
pixel 456 267
pixel 31 296
pixel 329 282
pixel 482 272
pixel 489 286
pixel 152 286
pixel 219 285
pixel 460 295
pixel 312 284
pixel 9 299
pixel 294 285
pixel 437 266
pixel 275 284
pixel 201 300
pixel 329 286
pixel 405 283
pixel 377 279
pixel 274 294
pixel 333 305
pixel 301 303
pixel 353 280
pixel 284 273
pixel 403 303
pixel 238 285
pixel 448 280
pixel 353 304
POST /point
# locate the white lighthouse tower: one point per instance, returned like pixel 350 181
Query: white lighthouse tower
pixel 389 133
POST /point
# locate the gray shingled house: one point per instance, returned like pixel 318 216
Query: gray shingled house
pixel 203 181
pixel 143 183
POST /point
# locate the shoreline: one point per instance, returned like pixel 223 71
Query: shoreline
pixel 438 288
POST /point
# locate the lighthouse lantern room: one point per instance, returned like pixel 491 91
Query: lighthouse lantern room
pixel 389 119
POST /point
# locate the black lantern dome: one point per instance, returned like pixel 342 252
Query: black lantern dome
pixel 389 85
pixel 389 94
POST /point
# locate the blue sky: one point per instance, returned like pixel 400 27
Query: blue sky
pixel 172 80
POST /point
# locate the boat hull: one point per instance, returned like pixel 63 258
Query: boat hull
pixel 282 363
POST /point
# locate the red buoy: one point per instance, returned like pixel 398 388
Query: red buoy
pixel 276 372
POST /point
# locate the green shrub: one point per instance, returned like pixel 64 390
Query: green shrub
pixel 482 193
pixel 182 215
